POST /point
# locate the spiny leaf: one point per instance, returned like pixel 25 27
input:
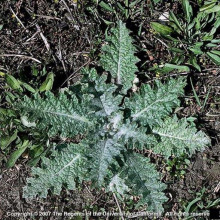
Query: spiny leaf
pixel 110 102
pixel 118 185
pixel 59 115
pixel 64 169
pixel 103 154
pixel 176 137
pixel 142 178
pixel 104 93
pixel 118 57
pixel 150 105
pixel 130 134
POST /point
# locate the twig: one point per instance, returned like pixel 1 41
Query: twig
pixel 20 55
pixel 213 68
pixel 217 188
pixel 60 57
pixel 47 17
pixel 17 18
pixel 121 214
pixel 68 9
pixel 162 42
pixel 69 78
pixel 212 115
pixel 96 200
pixel 43 37
pixel 31 37
pixel 19 193
pixel 183 45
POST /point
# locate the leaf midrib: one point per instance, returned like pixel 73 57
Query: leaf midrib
pixel 76 116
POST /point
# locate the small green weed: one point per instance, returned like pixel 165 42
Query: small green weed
pixel 201 203
pixel 14 130
pixel 191 36
pixel 177 166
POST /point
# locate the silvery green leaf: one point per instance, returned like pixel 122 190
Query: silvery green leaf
pixel 63 169
pixel 176 137
pixel 118 57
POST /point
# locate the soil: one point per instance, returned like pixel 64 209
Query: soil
pixel 63 37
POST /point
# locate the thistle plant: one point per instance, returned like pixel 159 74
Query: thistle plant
pixel 114 124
